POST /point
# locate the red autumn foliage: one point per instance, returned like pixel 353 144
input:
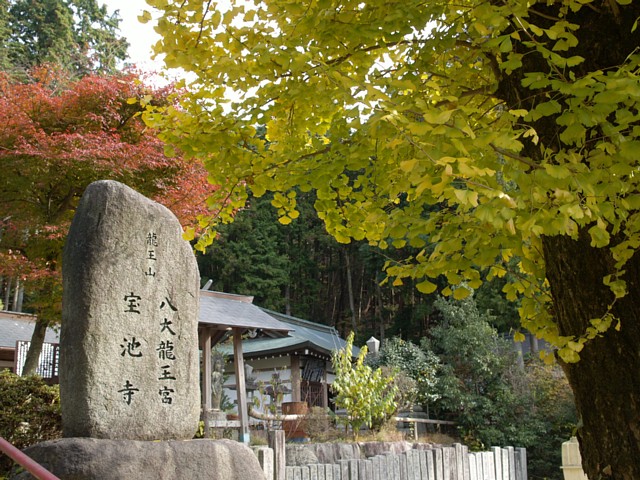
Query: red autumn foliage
pixel 56 137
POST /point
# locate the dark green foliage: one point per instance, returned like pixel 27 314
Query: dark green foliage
pixel 78 35
pixel 491 299
pixel 418 364
pixel 553 411
pixel 250 257
pixel 30 412
pixel 494 400
pixel 5 32
pixel 301 270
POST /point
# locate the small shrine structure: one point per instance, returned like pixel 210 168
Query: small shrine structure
pixel 221 315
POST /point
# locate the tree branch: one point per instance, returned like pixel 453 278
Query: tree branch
pixel 514 156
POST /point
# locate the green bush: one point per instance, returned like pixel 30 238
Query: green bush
pixel 553 410
pixel 366 394
pixel 420 365
pixel 30 412
pixel 492 398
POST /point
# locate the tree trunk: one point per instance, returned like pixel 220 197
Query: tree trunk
pixel 606 380
pixel 379 310
pixel 7 293
pixel 18 307
pixel 35 348
pixel 287 299
pixel 352 303
pixel 16 295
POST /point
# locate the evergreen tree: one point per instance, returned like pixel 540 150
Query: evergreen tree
pixel 299 269
pixel 492 399
pixel 250 257
pixel 78 35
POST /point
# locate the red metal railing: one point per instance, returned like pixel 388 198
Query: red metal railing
pixel 33 467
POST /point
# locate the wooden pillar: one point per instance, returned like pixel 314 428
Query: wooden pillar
pixel 205 345
pixel 238 360
pixel 277 443
pixel 325 388
pixel 295 378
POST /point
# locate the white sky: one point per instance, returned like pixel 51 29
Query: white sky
pixel 140 36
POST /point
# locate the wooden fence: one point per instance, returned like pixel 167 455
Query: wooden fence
pixel 422 421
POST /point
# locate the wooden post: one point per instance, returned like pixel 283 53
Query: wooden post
pixel 295 378
pixel 205 343
pixel 238 360
pixel 325 388
pixel 277 444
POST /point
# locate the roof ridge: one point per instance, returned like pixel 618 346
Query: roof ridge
pixel 228 296
pixel 301 321
pixel 10 314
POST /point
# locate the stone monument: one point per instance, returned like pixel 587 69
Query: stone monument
pixel 129 366
pixel 129 359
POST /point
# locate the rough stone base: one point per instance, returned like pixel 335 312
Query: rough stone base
pixel 95 459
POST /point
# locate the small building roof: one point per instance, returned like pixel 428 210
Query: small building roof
pixel 16 326
pixel 225 311
pixel 303 335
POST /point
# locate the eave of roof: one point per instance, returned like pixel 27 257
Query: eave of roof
pixel 305 336
pixel 224 311
pixel 323 338
pixel 16 326
pixel 266 347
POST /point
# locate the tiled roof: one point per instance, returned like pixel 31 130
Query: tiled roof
pixel 322 337
pixel 19 326
pixel 235 311
pixel 303 335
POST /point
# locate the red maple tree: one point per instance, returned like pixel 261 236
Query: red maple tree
pixel 56 137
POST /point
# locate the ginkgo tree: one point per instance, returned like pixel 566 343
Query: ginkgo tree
pixel 495 133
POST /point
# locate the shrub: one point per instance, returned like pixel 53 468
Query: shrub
pixel 493 399
pixel 30 412
pixel 320 425
pixel 406 387
pixel 553 410
pixel 414 362
pixel 366 394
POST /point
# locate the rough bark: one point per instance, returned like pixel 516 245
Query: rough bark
pixel 606 380
pixel 35 348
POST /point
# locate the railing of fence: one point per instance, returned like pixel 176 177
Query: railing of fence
pixel 27 463
pixel 424 421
